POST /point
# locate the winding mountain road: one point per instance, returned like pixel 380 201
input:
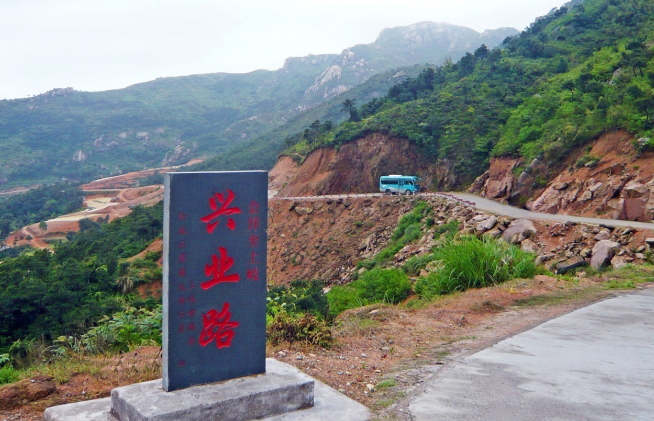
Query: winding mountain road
pixel 491 206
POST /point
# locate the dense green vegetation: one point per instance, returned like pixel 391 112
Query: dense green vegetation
pixel 571 76
pixel 46 295
pixel 38 205
pixel 390 286
pixel 469 262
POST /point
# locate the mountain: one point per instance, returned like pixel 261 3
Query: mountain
pixel 425 42
pixel 69 134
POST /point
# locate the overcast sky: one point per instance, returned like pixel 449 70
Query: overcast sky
pixel 95 45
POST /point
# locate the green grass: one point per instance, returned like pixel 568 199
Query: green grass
pixel 469 262
pixel 389 286
pixel 620 285
pixel 385 384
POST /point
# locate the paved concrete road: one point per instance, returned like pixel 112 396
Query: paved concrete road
pixel 500 209
pixel 596 363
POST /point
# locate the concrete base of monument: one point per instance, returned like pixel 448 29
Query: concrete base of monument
pixel 235 399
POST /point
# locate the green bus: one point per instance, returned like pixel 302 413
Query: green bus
pixel 399 184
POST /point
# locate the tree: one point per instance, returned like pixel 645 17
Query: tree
pixel 349 106
pixel 481 52
pixel 645 105
pixel 466 64
pixel 494 57
pixel 569 86
pixel 43 226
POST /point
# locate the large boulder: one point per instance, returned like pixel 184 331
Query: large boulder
pixel 603 252
pixel 549 201
pixel 620 261
pixel 519 230
pixel 633 203
pixel 487 224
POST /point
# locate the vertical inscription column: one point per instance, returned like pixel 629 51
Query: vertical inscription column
pixel 214 291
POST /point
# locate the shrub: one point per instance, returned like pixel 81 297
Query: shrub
pixel 407 231
pixel 472 263
pixel 587 160
pixel 375 286
pixel 8 375
pixel 7 372
pixel 302 297
pixel 343 298
pixel 383 286
pixel 450 229
pixel 415 264
pixel 121 332
pixel 307 328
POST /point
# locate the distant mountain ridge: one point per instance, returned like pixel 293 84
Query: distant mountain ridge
pixel 83 135
pixel 425 42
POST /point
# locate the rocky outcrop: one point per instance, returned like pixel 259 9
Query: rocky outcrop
pixel 181 151
pixel 79 156
pixel 618 182
pixel 98 142
pixel 144 136
pixel 634 204
pixel 501 183
pixel 618 185
pixel 497 183
pixel 434 42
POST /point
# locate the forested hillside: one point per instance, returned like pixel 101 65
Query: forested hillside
pixel 45 295
pixel 84 135
pixel 38 205
pixel 571 76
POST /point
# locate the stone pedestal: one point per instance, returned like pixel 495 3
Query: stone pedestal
pixel 279 390
pixel 283 393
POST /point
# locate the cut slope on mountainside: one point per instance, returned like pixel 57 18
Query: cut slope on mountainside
pixel 355 168
pixel 83 135
pixel 608 178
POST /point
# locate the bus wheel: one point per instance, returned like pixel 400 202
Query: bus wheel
pixel 408 192
pixel 387 192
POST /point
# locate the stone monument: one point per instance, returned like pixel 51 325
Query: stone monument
pixel 214 288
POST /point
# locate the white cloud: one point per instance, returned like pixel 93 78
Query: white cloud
pixel 108 44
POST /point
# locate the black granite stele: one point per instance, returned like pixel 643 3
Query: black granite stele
pixel 214 280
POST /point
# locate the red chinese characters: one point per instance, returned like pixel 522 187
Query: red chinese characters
pixel 188 301
pixel 253 240
pixel 218 327
pixel 216 270
pixel 224 209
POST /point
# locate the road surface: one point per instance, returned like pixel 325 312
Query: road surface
pixel 595 364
